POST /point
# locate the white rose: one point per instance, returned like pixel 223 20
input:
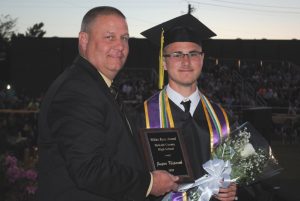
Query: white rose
pixel 247 151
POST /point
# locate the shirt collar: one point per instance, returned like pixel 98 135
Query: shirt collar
pixel 177 98
pixel 106 80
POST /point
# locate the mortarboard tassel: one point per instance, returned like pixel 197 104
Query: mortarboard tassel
pixel 161 70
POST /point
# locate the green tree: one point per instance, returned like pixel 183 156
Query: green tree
pixel 7 25
pixel 36 31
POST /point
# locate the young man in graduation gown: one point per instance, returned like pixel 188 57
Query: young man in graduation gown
pixel 180 104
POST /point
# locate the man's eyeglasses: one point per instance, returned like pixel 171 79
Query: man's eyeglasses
pixel 180 55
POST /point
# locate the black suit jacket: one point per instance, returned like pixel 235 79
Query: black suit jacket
pixel 86 150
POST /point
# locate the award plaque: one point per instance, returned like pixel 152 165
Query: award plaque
pixel 164 149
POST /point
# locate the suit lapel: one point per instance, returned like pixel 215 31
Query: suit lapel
pixel 103 88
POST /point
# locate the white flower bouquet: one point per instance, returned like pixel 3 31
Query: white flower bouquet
pixel 250 155
pixel 245 157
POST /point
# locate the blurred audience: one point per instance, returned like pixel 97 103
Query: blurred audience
pixel 234 86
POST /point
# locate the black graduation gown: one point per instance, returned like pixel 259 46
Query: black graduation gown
pixel 193 129
pixel 195 134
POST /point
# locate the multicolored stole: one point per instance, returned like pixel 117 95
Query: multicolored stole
pixel 217 121
pixel 158 115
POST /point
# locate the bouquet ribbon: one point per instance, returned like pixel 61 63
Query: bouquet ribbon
pixel 207 185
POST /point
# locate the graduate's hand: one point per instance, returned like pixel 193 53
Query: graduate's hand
pixel 163 182
pixel 227 194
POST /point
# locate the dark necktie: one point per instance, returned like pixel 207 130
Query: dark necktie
pixel 114 91
pixel 186 105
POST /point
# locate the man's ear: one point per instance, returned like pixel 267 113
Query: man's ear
pixel 83 40
pixel 164 63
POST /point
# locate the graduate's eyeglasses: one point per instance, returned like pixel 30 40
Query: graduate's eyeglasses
pixel 181 55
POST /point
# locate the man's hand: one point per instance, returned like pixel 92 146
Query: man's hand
pixel 163 182
pixel 227 194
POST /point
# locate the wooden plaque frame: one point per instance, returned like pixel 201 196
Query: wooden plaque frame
pixel 164 149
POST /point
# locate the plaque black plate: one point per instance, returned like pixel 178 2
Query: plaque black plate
pixel 164 149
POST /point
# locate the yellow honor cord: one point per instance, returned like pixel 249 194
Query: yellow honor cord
pixel 210 113
pixel 214 117
pixel 165 113
pixel 162 116
pixel 169 113
pixel 184 196
pixel 146 115
pixel 209 126
pixel 226 120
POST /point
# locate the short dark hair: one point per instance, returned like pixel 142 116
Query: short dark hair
pixel 95 12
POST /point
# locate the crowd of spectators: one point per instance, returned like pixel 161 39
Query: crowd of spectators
pixel 233 84
pixel 9 99
pixel 225 82
pixel 18 131
pixel 277 82
pixel 18 122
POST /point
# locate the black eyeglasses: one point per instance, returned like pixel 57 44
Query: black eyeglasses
pixel 180 55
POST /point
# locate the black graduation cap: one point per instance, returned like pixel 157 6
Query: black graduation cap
pixel 185 28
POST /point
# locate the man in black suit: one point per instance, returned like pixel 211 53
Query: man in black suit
pixel 86 148
pixel 180 104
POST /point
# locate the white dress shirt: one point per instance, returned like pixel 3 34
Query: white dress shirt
pixel 177 98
